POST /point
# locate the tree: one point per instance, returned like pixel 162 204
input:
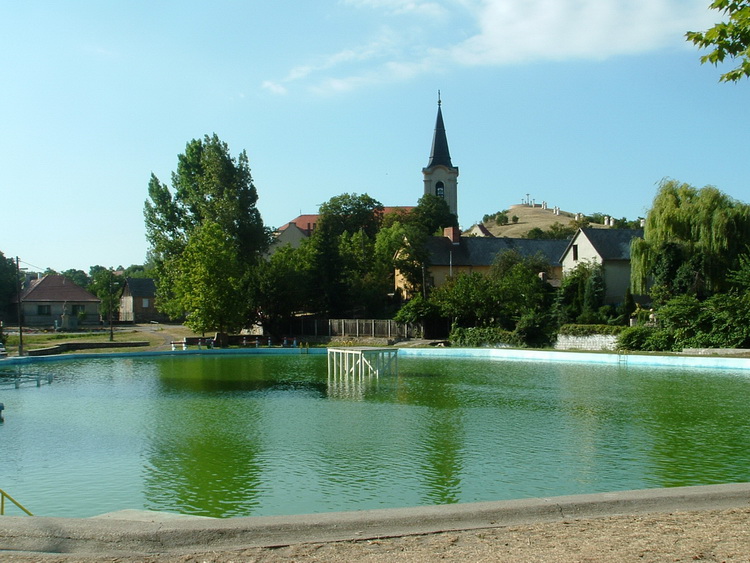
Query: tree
pixel 331 262
pixel 349 213
pixel 729 39
pixel 401 243
pixel 556 232
pixel 210 282
pixel 278 288
pixel 8 284
pixel 78 277
pixel 432 214
pixel 401 246
pixel 468 300
pixel 107 287
pixel 208 187
pixel 523 296
pixel 571 299
pixel 701 232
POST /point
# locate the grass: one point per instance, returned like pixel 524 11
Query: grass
pixel 158 337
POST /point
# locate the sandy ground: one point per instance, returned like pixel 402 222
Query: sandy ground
pixel 711 535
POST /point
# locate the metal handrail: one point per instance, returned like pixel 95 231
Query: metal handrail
pixel 3 496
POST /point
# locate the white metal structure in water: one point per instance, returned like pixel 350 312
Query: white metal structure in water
pixel 361 361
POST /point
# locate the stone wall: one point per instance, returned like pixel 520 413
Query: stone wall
pixel 606 342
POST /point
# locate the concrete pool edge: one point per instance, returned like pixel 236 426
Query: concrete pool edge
pixel 143 532
pixel 510 354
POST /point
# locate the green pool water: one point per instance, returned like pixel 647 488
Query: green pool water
pixel 231 436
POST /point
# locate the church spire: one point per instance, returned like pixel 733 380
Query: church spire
pixel 440 176
pixel 440 154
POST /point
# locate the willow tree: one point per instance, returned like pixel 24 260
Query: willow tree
pixel 691 240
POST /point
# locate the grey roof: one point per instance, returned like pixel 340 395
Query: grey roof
pixel 141 287
pixel 481 251
pixel 440 154
pixel 612 244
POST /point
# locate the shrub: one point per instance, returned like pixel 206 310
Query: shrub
pixel 645 339
pixel 476 337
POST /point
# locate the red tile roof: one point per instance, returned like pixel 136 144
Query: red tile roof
pixel 308 222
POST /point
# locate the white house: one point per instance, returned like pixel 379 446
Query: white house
pixel 608 247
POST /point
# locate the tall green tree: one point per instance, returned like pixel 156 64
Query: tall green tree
pixel 344 236
pixel 702 231
pixel 727 39
pixel 208 186
pixel 210 282
pixel 278 288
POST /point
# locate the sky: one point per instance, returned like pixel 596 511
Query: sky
pixel 584 104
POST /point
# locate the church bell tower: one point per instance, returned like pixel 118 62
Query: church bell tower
pixel 440 176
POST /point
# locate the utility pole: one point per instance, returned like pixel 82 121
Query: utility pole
pixel 20 307
pixel 111 305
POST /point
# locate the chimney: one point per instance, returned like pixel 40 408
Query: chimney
pixel 453 233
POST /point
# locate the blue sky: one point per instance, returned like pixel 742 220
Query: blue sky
pixel 585 104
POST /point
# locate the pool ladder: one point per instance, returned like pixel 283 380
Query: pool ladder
pixel 3 496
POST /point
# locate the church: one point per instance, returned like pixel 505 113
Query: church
pixel 440 179
pixel 440 176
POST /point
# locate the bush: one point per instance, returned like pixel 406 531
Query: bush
pixel 476 337
pixel 534 330
pixel 645 339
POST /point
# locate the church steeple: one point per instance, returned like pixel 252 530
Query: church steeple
pixel 440 176
pixel 440 153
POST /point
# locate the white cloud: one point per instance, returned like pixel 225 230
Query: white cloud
pixel 274 87
pixel 525 30
pixel 497 32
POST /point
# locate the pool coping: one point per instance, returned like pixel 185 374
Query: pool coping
pixel 144 533
pixel 511 354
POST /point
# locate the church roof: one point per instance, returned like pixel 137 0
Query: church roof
pixel 440 155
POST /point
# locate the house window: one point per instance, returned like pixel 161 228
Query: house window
pixel 440 190
pixel 44 310
pixel 145 302
pixel 575 252
pixel 79 309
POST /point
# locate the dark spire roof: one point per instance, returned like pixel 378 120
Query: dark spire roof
pixel 440 154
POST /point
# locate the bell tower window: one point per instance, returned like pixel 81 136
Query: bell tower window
pixel 440 190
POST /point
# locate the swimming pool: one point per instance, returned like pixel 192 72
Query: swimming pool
pixel 239 435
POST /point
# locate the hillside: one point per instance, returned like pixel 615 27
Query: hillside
pixel 529 218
